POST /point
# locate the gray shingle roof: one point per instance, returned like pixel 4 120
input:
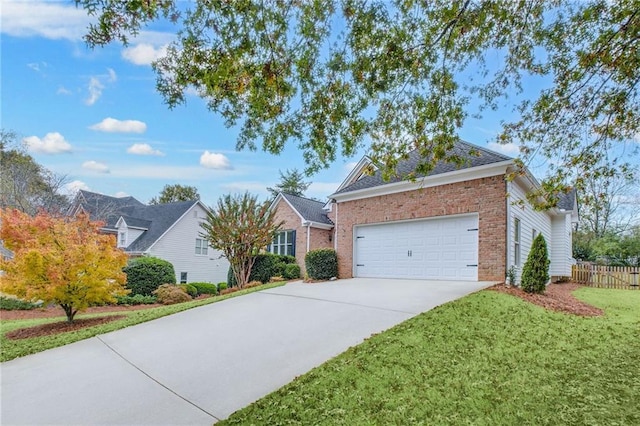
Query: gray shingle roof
pixel 156 219
pixel 461 149
pixel 310 210
pixel 104 207
pixel 136 222
pixel 160 218
pixel 566 201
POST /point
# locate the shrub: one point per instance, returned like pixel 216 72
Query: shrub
pixel 322 264
pixel 137 299
pixel 252 284
pixel 535 273
pixel 15 304
pixel 190 289
pixel 169 294
pixel 291 271
pixel 222 286
pixel 146 274
pixel 265 266
pixel 206 288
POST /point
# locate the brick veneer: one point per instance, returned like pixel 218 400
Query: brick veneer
pixel 486 196
pixel 320 238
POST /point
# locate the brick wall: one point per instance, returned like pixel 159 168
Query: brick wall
pixel 486 196
pixel 320 238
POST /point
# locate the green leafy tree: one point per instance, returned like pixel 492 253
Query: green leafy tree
pixel 240 226
pixel 331 75
pixel 291 182
pixel 174 193
pixel 25 185
pixel 535 273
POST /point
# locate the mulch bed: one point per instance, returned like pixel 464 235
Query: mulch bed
pixel 59 327
pixel 558 297
pixel 56 311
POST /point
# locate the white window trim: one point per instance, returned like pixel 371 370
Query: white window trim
pixel 204 247
pixel 289 241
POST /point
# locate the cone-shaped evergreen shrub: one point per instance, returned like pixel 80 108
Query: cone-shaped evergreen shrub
pixel 535 273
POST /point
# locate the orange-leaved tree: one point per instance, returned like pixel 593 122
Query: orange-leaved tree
pixel 66 261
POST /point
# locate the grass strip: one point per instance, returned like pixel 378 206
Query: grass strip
pixel 11 349
pixel 487 359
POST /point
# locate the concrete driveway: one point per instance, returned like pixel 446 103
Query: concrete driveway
pixel 201 365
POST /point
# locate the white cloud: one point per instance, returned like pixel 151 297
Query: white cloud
pixel 37 66
pixel 95 166
pixel 143 53
pixel 637 137
pixel 63 91
pixel 113 125
pixel 508 149
pixel 95 91
pixel 50 20
pixel 112 77
pixel 97 85
pixel 143 149
pixel 52 143
pixel 73 187
pixel 212 160
pixel 121 194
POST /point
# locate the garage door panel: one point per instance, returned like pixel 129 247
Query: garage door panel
pixel 443 248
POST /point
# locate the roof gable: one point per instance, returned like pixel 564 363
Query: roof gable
pixel 461 149
pixel 309 210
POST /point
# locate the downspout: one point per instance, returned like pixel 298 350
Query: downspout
pixel 335 233
pixel 308 225
pixel 508 231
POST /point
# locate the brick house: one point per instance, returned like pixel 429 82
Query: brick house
pixel 456 223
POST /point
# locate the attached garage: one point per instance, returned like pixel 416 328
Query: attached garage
pixel 444 248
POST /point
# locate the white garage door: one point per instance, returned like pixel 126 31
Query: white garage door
pixel 440 249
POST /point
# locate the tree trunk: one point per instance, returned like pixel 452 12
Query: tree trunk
pixel 68 310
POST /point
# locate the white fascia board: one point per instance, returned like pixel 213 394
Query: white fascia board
pixel 455 176
pixel 120 221
pixel 364 161
pixel 274 203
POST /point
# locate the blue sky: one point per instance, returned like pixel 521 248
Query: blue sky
pixel 95 116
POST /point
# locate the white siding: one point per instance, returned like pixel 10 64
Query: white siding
pixel 178 247
pixel 530 219
pixel 561 251
pixel 132 235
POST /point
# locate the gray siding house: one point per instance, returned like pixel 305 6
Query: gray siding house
pixel 168 231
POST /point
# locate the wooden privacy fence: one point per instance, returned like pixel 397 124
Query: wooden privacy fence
pixel 621 277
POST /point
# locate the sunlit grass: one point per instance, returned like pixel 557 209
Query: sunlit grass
pixel 487 359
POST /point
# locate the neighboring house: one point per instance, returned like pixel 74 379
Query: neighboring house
pixel 306 227
pixel 456 223
pixel 168 231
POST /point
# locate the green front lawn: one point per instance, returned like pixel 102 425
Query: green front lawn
pixel 11 349
pixel 487 359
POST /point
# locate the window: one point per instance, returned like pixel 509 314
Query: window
pixel 284 243
pixel 202 247
pixel 122 239
pixel 183 277
pixel 516 242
